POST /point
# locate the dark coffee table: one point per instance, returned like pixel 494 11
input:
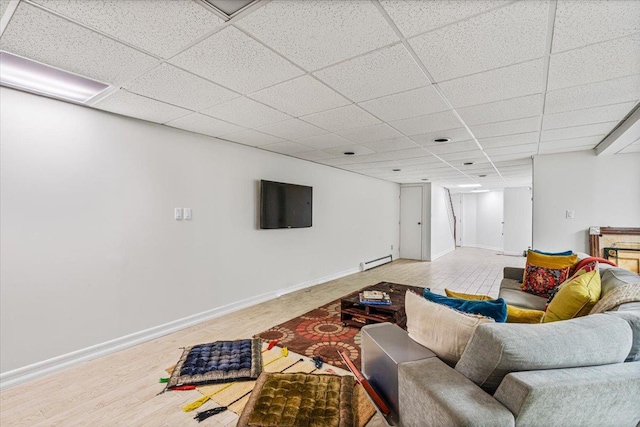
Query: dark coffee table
pixel 352 313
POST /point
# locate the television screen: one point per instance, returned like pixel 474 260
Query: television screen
pixel 285 205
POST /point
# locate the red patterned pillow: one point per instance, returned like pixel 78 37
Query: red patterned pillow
pixel 542 272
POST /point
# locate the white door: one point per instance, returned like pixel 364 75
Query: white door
pixel 411 222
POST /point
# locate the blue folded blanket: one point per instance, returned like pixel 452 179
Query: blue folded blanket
pixel 496 308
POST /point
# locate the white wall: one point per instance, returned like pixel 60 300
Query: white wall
pixel 517 220
pixel 482 220
pixel 90 251
pixel 442 241
pixel 601 190
pixel 469 219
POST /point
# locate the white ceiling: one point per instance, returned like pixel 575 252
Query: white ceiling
pixel 505 80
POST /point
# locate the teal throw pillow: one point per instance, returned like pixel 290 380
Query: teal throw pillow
pixel 496 309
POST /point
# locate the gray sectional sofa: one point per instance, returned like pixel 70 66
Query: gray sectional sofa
pixel 578 372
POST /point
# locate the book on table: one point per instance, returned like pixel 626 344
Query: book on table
pixel 384 300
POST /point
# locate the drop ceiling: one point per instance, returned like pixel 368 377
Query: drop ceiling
pixel 503 80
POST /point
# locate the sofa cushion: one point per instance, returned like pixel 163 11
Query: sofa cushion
pixel 514 314
pixel 580 268
pixel 633 318
pixel 489 307
pixel 498 349
pixel 522 299
pixel 441 329
pixel 614 277
pixel 575 298
pixel 542 273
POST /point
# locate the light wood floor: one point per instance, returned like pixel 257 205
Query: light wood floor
pixel 120 389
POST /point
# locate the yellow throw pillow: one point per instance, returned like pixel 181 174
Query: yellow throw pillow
pixel 542 272
pixel 575 298
pixel 514 314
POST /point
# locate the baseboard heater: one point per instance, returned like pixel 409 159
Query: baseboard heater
pixel 368 265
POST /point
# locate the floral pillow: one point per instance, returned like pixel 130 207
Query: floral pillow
pixel 543 273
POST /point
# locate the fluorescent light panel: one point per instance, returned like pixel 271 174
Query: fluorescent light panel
pixel 479 191
pixel 469 185
pixel 31 76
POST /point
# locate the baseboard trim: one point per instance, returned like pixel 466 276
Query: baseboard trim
pixel 441 254
pixel 46 367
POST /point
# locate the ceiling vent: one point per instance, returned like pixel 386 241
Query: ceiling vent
pixel 229 8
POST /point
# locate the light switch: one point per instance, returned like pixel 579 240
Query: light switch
pixel 178 213
pixel 570 214
pixel 187 213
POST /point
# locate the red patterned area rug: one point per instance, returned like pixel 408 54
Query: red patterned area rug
pixel 318 333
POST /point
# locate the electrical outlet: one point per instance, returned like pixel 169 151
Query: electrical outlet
pixel 391 247
pixel 177 213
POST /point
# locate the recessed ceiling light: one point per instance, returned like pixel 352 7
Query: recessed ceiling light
pixel 425 179
pixel 397 170
pixel 229 7
pixel 442 140
pixel 482 176
pixel 479 191
pixel 467 163
pixel 31 76
pixel 348 153
pixel 469 185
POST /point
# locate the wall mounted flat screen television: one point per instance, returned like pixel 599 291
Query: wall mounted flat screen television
pixel 285 205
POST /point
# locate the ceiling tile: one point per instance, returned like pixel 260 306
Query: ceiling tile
pixel 501 37
pixel 603 61
pixel 342 118
pixel 286 147
pixel 301 96
pixel 375 74
pixel 291 129
pixel 43 37
pixel 509 109
pixel 391 144
pixel 415 17
pixel 509 127
pixel 411 153
pixel 578 131
pixel 252 137
pixel 175 86
pixel 359 150
pixel 4 4
pixel 452 147
pixel 581 23
pixel 313 33
pixel 199 123
pixel 314 155
pixel 526 149
pixel 327 140
pixel 587 141
pixel 371 133
pixel 130 104
pixel 416 102
pixel 593 95
pixel 455 135
pixel 158 27
pixel 457 159
pixel 429 123
pixel 587 116
pixel 503 141
pixel 235 60
pixel 495 85
pixel 246 112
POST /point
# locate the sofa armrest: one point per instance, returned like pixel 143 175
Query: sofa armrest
pixel 431 393
pixel 513 273
pixel 603 395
